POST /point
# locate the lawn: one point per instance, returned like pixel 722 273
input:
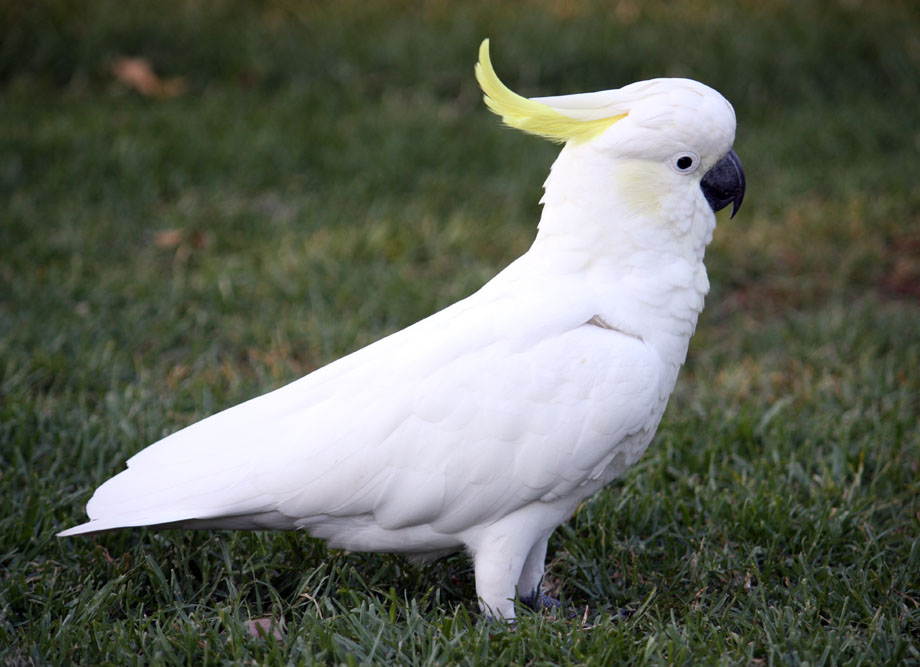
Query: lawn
pixel 320 174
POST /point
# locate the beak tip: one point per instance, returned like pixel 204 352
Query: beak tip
pixel 736 206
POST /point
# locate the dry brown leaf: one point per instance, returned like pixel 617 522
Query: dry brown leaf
pixel 183 241
pixel 260 628
pixel 138 74
pixel 169 238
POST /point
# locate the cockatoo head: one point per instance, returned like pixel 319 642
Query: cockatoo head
pixel 666 136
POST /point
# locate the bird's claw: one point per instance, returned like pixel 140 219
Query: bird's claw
pixel 541 602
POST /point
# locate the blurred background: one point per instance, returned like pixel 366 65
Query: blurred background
pixel 298 178
pixel 200 201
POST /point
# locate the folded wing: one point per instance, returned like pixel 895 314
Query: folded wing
pixel 489 405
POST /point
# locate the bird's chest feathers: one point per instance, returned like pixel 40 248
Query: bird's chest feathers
pixel 636 235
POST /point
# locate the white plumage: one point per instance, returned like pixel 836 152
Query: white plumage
pixel 484 426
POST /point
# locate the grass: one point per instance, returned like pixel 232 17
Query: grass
pixel 329 176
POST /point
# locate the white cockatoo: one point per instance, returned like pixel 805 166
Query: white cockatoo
pixel 484 426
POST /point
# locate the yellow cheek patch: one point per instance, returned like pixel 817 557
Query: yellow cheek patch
pixel 639 186
pixel 530 116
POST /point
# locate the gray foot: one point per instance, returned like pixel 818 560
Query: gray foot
pixel 541 602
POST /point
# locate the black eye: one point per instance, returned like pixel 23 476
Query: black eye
pixel 684 162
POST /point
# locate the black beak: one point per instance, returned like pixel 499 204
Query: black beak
pixel 724 183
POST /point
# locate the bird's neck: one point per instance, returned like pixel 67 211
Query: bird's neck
pixel 643 259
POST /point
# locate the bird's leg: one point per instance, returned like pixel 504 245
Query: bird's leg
pixel 508 553
pixel 532 573
pixel 496 574
pixel 531 576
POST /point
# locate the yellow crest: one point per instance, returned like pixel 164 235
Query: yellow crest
pixel 529 115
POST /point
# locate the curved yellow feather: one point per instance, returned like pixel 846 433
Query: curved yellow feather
pixel 530 116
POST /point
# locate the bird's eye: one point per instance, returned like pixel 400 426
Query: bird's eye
pixel 685 162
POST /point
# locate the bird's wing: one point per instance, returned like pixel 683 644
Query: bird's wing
pixel 498 400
